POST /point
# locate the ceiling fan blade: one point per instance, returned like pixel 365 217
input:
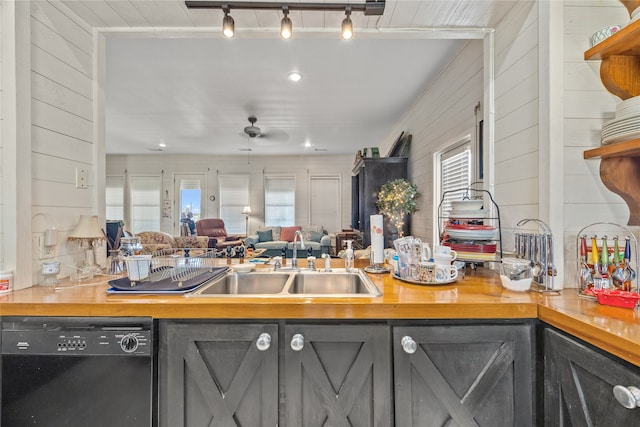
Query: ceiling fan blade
pixel 275 135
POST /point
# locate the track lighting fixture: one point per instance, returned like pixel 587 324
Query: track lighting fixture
pixel 347 25
pixel 368 7
pixel 228 26
pixel 286 27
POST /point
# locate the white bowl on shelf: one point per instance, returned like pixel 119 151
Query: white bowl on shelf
pixel 467 205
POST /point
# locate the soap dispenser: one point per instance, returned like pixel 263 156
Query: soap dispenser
pixel 348 257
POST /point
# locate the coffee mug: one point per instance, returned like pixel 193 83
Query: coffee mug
pixel 426 252
pixel 444 250
pixel 441 259
pixel 427 272
pixel 445 273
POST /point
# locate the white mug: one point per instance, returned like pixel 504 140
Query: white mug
pixel 441 259
pixel 444 250
pixel 445 273
pixel 426 252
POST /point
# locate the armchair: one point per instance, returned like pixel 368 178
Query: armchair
pixel 217 233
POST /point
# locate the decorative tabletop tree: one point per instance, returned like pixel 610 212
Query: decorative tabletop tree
pixel 395 200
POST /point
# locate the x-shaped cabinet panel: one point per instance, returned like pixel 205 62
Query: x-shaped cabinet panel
pixel 579 384
pixel 216 375
pixel 338 375
pixel 463 375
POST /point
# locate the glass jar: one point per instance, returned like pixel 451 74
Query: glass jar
pixel 516 274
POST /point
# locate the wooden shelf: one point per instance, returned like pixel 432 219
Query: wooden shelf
pixel 620 55
pixel 629 148
pixel 620 74
pixel 624 42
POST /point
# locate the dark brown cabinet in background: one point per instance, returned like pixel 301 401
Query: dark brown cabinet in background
pixel 369 176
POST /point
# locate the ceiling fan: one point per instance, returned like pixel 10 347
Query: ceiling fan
pixel 253 131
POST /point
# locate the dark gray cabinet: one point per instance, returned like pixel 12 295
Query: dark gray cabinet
pixel 480 375
pixel 221 374
pixel 215 374
pixel 338 375
pixel 579 382
pixel 369 175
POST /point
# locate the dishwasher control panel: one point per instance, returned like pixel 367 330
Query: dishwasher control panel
pixel 76 339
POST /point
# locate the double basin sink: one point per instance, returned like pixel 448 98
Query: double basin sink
pixel 337 283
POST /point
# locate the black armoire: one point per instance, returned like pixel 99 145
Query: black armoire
pixel 369 175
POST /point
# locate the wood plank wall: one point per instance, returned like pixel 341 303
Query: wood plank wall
pixel 442 115
pixel 62 124
pixel 587 106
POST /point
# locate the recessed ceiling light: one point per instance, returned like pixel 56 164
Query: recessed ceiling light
pixel 162 145
pixel 295 76
pixel 307 143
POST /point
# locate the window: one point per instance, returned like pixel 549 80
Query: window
pixel 114 198
pixel 279 200
pixel 455 172
pixel 145 203
pixel 234 195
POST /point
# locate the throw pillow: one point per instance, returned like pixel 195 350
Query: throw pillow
pixel 287 233
pixel 265 236
pixel 315 236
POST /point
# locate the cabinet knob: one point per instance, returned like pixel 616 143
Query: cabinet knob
pixel 297 342
pixel 408 345
pixel 629 397
pixel 263 342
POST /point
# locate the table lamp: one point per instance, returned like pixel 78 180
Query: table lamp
pixel 246 211
pixel 89 234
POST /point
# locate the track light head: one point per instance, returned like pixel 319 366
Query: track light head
pixel 347 25
pixel 286 27
pixel 228 26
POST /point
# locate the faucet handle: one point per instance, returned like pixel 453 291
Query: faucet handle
pixel 312 262
pixel 277 262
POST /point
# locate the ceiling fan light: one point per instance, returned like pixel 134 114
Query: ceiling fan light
pixel 286 27
pixel 228 26
pixel 347 28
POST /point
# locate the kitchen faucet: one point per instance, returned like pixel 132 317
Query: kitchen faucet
pixel 294 260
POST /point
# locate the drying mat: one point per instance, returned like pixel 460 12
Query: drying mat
pixel 164 286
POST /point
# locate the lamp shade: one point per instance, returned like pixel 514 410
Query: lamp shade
pixel 88 228
pixel 246 210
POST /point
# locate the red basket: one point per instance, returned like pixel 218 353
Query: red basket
pixel 618 298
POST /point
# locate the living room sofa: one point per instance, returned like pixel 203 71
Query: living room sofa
pixel 154 241
pixel 273 239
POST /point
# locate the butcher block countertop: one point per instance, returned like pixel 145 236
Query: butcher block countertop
pixel 478 295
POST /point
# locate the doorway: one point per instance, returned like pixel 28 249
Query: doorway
pixel 325 206
pixel 189 196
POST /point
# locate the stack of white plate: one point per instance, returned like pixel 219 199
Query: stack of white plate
pixel 626 125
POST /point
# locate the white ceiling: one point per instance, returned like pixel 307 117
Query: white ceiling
pixel 172 78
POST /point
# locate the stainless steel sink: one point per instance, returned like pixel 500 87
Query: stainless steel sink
pixel 291 283
pixel 338 283
pixel 250 284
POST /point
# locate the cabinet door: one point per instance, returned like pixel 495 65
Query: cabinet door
pixel 215 375
pixel 578 384
pixel 463 375
pixel 337 375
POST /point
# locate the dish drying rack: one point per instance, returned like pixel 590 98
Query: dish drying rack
pixel 493 218
pixel 538 249
pixel 603 226
pixel 169 269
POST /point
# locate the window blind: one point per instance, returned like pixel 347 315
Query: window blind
pixel 234 195
pixel 114 198
pixel 455 166
pixel 279 200
pixel 145 203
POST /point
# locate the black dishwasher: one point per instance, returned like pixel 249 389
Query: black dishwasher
pixel 77 371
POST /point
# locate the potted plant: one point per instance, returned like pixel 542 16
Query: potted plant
pixel 395 200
